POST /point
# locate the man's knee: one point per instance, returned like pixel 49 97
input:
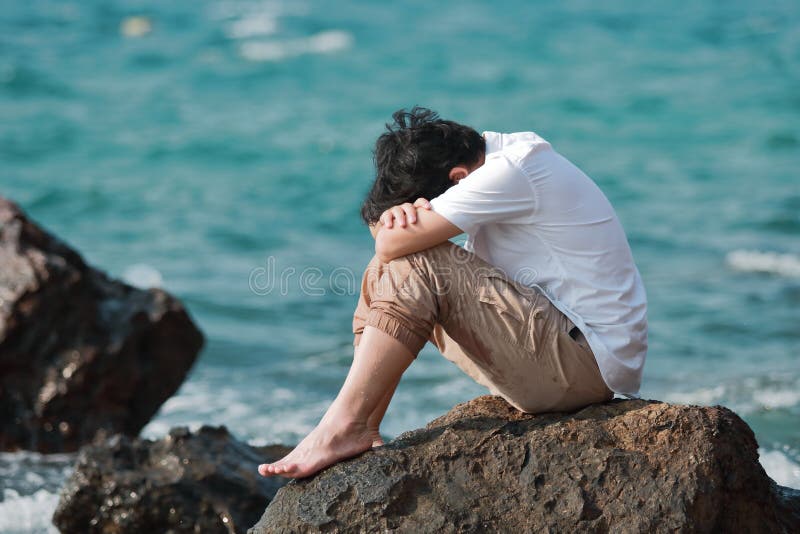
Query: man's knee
pixel 437 268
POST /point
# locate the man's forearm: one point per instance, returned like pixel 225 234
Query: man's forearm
pixel 428 230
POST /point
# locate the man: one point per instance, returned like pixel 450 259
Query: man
pixel 543 305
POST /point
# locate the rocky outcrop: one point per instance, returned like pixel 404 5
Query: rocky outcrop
pixel 624 466
pixel 202 482
pixel 79 353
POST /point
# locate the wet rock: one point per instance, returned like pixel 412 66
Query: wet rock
pixel 622 466
pixel 80 353
pixel 203 482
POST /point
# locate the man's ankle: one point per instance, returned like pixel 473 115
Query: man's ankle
pixel 343 419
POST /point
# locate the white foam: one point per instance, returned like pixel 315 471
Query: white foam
pixel 143 276
pixel 764 262
pixel 321 43
pixel 745 397
pixel 702 396
pixel 782 398
pixel 27 513
pixel 780 468
pixel 248 413
pixel 252 26
pixel 330 41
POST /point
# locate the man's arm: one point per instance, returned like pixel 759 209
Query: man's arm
pixel 428 230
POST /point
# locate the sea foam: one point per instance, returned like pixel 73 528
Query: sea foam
pixel 321 43
pixel 764 262
pixel 142 276
pixel 780 468
pixel 28 514
pixel 29 490
pixel 252 26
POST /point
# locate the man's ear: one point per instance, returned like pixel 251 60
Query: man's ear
pixel 458 173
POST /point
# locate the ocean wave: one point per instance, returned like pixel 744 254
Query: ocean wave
pixel 321 43
pixel 780 468
pixel 30 483
pixel 764 262
pixel 252 25
pixel 776 399
pixel 747 396
pixel 701 396
pixel 24 514
pixel 142 276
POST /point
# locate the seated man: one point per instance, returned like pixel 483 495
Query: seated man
pixel 543 305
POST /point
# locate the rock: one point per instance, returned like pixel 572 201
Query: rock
pixel 203 482
pixel 79 353
pixel 622 466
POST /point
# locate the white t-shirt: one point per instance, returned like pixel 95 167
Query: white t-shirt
pixel 539 218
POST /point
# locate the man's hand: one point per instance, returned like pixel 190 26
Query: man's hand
pixel 410 228
pixel 404 213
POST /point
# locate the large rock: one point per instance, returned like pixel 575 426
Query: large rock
pixel 624 466
pixel 204 482
pixel 79 353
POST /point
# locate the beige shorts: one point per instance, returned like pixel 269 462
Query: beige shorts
pixel 506 336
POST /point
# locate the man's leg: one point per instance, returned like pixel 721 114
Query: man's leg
pixel 371 284
pixel 375 418
pixel 506 336
pixel 512 341
pixel 345 429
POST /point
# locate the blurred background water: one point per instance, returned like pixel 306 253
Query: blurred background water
pixel 197 145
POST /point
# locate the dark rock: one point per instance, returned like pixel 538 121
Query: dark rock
pixel 79 353
pixel 201 482
pixel 622 466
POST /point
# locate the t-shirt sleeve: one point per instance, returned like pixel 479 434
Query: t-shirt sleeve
pixel 496 192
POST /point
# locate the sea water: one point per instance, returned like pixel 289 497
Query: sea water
pixel 221 149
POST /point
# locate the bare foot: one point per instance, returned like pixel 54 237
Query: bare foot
pixel 324 446
pixel 377 440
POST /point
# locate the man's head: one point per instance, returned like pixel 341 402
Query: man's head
pixel 420 155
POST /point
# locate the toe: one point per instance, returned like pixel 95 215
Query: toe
pixel 263 470
pixel 288 469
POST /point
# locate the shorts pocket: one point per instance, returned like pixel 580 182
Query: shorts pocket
pixel 513 306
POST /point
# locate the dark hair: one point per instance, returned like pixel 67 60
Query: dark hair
pixel 414 156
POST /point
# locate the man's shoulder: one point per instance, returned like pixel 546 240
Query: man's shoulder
pixel 516 145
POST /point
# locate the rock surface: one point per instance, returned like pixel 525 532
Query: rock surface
pixel 79 353
pixel 201 482
pixel 623 466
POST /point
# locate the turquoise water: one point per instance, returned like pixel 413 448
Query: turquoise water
pixel 234 136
